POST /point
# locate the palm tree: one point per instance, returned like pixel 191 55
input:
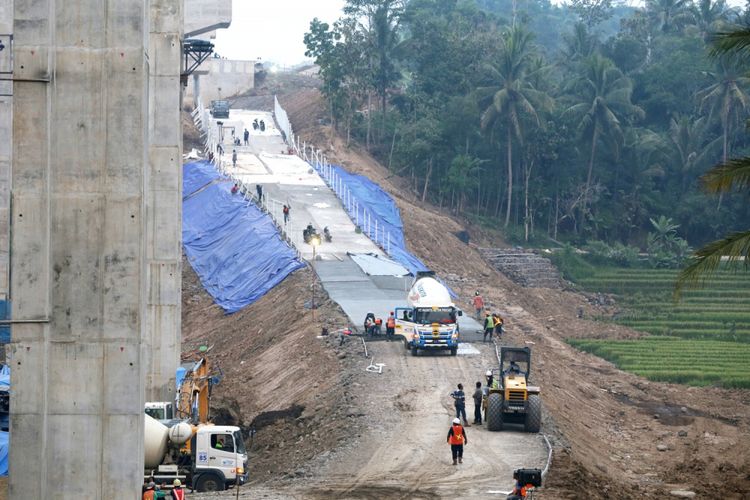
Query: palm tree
pixel 726 99
pixel 731 175
pixel 708 15
pixel 687 141
pixel 669 13
pixel 513 100
pixel 604 100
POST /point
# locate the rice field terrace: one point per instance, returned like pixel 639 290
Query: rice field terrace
pixel 702 340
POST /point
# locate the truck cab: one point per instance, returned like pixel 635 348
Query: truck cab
pixel 430 321
pixel 219 457
pixel 220 109
pixel 160 410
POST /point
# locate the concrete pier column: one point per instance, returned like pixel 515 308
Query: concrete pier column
pixel 78 248
pixel 164 201
pixel 6 141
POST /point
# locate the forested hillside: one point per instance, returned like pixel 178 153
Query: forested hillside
pixel 587 122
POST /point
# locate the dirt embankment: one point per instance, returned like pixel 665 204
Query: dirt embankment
pixel 279 379
pixel 616 435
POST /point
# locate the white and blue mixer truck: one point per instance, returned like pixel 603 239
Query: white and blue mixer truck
pixel 205 457
pixel 430 322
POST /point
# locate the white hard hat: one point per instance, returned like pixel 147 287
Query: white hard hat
pixel 489 373
pixel 456 421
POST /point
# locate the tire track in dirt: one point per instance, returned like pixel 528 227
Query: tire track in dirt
pixel 406 455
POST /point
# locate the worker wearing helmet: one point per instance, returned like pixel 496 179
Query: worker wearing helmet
pixel 177 492
pixel 390 327
pixel 489 327
pixel 457 439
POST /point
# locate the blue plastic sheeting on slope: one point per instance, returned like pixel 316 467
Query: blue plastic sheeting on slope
pixel 233 247
pixel 179 376
pixel 381 206
pixel 197 174
pixel 4 329
pixel 4 448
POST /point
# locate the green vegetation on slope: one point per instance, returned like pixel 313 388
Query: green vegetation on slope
pixel 669 359
pixel 703 339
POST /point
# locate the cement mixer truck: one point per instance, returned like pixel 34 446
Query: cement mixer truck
pixel 430 322
pixel 205 457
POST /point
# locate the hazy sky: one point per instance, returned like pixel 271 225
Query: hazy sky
pixel 273 29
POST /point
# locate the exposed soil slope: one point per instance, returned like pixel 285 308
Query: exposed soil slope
pixel 609 426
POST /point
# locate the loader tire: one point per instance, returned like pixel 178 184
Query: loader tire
pixel 533 420
pixel 494 414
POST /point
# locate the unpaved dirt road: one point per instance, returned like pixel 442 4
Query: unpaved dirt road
pixel 404 452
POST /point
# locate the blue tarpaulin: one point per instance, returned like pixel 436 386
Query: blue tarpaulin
pixel 4 453
pixel 381 206
pixel 196 175
pixel 233 247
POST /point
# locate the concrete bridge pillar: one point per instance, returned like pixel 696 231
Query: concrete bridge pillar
pixel 164 201
pixel 79 247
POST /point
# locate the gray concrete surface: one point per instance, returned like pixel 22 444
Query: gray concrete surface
pixel 96 172
pixel 6 144
pixel 78 268
pixel 164 201
pixel 287 179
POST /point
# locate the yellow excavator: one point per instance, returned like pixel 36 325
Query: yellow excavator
pixel 194 393
pixel 509 398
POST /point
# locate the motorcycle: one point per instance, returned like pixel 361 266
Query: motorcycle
pixel 327 234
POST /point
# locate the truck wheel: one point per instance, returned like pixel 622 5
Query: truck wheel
pixel 406 345
pixel 414 350
pixel 454 351
pixel 209 482
pixel 494 414
pixel 533 414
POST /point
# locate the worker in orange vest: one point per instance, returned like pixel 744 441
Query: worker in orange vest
pixel 457 439
pixel 150 492
pixel 177 492
pixel 390 327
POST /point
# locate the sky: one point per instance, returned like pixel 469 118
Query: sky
pixel 272 30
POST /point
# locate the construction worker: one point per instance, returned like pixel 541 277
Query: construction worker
pixel 489 326
pixel 457 439
pixel 390 327
pixel 150 493
pixel 177 492
pixel 491 382
pixel 459 400
pixel 478 305
pixel 478 404
pixel 497 321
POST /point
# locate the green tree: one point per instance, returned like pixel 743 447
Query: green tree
pixel 669 14
pixel 604 101
pixel 380 19
pixel 514 102
pixel 709 15
pixel 726 99
pixel 592 12
pixel 728 176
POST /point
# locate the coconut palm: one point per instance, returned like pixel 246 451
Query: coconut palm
pixel 514 102
pixel 731 175
pixel 726 99
pixel 708 15
pixel 687 141
pixel 669 14
pixel 603 94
